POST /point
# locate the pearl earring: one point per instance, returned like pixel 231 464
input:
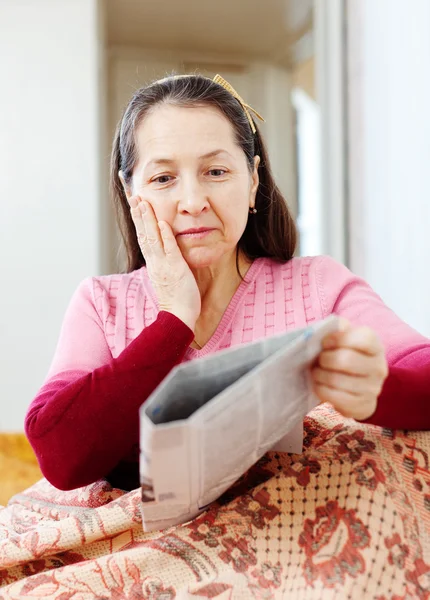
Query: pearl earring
pixel 253 211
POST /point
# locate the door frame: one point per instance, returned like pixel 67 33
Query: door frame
pixel 331 81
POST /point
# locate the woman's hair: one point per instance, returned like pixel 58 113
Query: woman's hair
pixel 271 232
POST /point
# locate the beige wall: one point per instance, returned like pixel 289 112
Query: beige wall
pixel 303 77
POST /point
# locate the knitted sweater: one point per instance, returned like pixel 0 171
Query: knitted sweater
pixel 115 347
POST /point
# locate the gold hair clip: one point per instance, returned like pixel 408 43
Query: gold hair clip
pixel 248 109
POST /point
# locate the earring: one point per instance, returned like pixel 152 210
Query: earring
pixel 253 211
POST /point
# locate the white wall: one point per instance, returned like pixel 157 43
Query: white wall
pixel 49 180
pixel 390 160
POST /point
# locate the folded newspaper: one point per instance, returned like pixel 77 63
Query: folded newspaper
pixel 212 418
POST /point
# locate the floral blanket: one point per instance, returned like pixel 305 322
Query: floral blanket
pixel 349 518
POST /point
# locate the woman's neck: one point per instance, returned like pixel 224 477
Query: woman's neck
pixel 218 283
pixel 217 287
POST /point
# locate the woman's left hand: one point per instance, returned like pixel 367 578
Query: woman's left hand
pixel 350 371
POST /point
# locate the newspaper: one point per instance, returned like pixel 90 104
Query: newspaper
pixel 212 418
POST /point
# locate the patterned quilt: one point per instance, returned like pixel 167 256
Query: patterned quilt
pixel 347 519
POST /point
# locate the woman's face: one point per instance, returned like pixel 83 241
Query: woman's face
pixel 196 177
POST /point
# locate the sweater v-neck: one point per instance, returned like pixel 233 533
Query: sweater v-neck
pixel 238 297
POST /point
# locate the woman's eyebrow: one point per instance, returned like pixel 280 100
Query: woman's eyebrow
pixel 159 161
pixel 215 153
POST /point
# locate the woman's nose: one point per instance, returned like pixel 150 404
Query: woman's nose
pixel 194 198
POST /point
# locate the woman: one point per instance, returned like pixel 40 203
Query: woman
pixel 210 245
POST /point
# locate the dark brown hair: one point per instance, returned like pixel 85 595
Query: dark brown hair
pixel 271 232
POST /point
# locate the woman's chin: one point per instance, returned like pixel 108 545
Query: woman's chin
pixel 199 258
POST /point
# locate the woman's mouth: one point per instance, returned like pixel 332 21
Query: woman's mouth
pixel 196 233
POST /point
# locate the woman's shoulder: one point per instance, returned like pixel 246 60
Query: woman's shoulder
pixel 109 290
pixel 323 265
pixel 307 264
pixel 115 282
pixel 318 279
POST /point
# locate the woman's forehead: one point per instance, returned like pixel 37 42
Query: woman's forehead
pixel 203 128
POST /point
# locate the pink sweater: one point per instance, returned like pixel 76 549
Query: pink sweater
pixel 115 348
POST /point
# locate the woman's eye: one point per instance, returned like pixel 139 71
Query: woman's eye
pixel 162 179
pixel 217 172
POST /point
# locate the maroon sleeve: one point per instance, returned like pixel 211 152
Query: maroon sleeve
pixel 80 427
pixel 404 402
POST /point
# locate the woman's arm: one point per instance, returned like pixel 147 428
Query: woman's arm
pixel 404 402
pixel 84 420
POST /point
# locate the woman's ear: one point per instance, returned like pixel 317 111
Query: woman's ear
pixel 255 182
pixel 127 189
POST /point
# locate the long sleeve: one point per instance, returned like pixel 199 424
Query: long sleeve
pixel 404 402
pixel 84 420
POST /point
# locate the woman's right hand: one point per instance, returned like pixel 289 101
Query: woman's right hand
pixel 172 278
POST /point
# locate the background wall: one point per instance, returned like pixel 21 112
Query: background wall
pixel 389 150
pixel 50 223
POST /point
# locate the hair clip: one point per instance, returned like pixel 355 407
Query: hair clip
pixel 246 107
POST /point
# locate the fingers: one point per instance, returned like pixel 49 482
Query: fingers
pixel 136 215
pixel 350 371
pixel 333 395
pixel 170 244
pixel 153 242
pixel 349 405
pixel 356 386
pixel 361 339
pixel 352 362
pixel 133 201
pixel 345 360
pixel 148 233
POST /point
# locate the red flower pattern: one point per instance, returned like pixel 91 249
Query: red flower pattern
pixel 310 432
pixel 34 567
pixel 315 437
pixel 213 590
pixel 153 589
pixel 420 578
pixel 331 543
pixel 302 469
pixel 268 575
pixel 40 586
pixel 398 551
pixel 204 529
pixel 369 475
pixel 257 508
pixel 238 554
pixel 354 444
